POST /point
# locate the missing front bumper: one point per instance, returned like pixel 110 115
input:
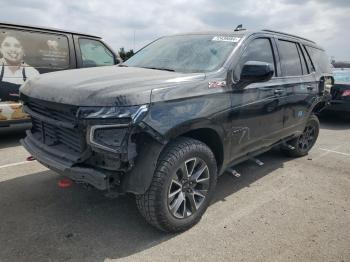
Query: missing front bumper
pixel 63 166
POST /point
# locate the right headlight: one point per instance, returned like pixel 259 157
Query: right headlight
pixel 108 137
pixel 111 136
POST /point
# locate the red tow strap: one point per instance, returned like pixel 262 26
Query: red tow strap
pixel 30 158
pixel 65 183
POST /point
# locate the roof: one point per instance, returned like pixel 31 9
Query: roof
pixel 281 33
pixel 46 29
pixel 246 32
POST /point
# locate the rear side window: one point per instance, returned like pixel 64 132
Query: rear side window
pixel 308 61
pixel 259 49
pixel 319 58
pixel 290 60
pixel 41 51
pixel 95 53
pixel 303 62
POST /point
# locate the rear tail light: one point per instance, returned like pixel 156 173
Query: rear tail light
pixel 346 93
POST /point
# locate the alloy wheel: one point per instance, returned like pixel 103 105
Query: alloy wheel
pixel 188 188
pixel 307 138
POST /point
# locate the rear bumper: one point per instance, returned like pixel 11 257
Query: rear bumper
pixel 63 165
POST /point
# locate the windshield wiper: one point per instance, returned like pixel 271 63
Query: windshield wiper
pixel 123 65
pixel 160 68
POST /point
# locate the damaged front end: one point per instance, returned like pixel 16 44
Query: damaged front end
pixel 93 145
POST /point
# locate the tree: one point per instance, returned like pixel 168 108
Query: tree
pixel 125 55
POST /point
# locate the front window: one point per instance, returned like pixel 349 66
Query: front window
pixel 342 75
pixel 186 53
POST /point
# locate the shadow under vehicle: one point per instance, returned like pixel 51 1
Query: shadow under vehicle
pixel 180 112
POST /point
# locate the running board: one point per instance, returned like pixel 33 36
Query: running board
pixel 257 161
pixel 233 172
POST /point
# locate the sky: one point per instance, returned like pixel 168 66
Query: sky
pixel 132 24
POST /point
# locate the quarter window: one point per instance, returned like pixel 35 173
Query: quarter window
pixel 290 60
pixel 319 58
pixel 95 53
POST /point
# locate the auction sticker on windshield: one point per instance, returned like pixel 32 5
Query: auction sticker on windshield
pixel 226 39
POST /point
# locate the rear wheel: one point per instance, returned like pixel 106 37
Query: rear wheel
pixel 182 186
pixel 303 144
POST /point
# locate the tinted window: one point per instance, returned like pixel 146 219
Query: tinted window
pixel 308 61
pixel 290 60
pixel 32 49
pixel 320 59
pixel 303 62
pixel 95 53
pixel 186 53
pixel 258 50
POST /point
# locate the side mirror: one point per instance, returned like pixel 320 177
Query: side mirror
pixel 255 71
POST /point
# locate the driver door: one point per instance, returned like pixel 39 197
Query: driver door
pixel 257 109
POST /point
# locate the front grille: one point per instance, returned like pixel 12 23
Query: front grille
pixel 66 140
pixel 60 112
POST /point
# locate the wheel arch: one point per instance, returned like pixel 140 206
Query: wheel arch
pixel 212 139
pixel 138 180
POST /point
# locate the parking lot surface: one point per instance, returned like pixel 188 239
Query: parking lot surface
pixel 287 210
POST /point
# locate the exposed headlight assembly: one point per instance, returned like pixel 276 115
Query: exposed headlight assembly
pixel 111 137
pixel 108 137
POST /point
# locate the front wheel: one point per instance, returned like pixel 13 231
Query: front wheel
pixel 303 144
pixel 182 186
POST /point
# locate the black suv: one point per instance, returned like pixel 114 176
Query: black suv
pixel 167 122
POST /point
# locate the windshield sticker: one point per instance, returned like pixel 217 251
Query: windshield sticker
pixel 226 39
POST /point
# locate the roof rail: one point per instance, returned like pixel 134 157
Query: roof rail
pixel 278 32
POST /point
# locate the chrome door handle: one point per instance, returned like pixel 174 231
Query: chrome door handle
pixel 309 87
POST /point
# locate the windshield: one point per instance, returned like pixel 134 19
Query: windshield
pixel 342 75
pixel 186 53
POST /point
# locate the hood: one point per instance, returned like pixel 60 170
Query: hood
pixel 103 86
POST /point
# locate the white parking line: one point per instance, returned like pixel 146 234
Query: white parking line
pixel 16 164
pixel 336 152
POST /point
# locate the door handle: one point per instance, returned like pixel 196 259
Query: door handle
pixel 278 91
pixel 310 88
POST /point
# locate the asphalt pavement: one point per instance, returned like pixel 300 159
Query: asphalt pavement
pixel 287 210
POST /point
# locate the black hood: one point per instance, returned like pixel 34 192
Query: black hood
pixel 102 86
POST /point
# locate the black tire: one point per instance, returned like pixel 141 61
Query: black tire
pixel 306 140
pixel 156 206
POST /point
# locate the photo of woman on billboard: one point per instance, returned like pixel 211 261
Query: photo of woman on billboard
pixel 13 69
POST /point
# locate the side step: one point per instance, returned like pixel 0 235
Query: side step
pixel 233 172
pixel 288 146
pixel 257 161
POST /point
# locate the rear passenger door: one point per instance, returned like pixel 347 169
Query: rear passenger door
pixel 299 83
pixel 92 52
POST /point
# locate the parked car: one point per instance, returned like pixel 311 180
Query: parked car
pixel 171 119
pixel 340 91
pixel 27 51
